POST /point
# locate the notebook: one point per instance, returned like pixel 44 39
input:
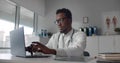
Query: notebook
pixel 17 42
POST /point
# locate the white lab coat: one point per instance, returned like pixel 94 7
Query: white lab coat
pixel 64 46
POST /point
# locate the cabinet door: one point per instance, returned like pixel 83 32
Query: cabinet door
pixel 92 45
pixel 106 44
pixel 117 43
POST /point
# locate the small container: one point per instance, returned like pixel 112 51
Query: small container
pixel 81 29
pixel 45 33
pixel 42 32
pixel 90 31
pixel 85 29
pixel 95 30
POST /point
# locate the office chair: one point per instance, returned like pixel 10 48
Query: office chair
pixel 86 53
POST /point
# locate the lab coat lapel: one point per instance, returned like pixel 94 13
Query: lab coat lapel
pixel 56 44
pixel 68 39
pixel 67 42
pixel 61 42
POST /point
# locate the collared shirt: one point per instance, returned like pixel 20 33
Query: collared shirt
pixel 64 39
pixel 65 45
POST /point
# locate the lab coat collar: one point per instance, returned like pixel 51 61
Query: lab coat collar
pixel 69 33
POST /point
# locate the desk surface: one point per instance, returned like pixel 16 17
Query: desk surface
pixel 8 58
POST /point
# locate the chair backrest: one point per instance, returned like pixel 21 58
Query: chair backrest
pixel 86 53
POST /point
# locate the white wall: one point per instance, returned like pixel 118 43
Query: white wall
pixel 37 6
pixel 93 9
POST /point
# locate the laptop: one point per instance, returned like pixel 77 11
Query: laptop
pixel 17 42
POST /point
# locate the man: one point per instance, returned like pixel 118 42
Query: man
pixel 67 42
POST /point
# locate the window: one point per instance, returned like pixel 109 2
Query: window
pixel 26 21
pixel 12 15
pixel 7 20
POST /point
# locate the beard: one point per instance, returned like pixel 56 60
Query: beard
pixel 63 30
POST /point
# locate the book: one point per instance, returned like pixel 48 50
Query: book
pixel 110 58
pixel 109 54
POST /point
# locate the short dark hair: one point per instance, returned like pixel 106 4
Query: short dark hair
pixel 67 12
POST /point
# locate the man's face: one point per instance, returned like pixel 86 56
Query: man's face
pixel 63 22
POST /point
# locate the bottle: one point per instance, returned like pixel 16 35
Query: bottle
pixel 81 29
pixel 90 31
pixel 85 30
pixel 42 33
pixel 94 30
pixel 45 33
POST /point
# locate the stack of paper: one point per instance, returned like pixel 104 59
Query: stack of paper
pixel 110 56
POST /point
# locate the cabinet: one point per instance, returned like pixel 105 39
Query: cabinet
pixel 92 45
pixel 106 44
pixel 101 44
pixel 117 43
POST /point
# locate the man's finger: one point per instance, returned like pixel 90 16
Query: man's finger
pixel 37 43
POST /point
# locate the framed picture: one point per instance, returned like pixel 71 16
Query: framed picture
pixel 85 20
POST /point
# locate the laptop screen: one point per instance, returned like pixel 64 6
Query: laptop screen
pixel 17 41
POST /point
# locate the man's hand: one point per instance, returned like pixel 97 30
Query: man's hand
pixel 29 49
pixel 38 47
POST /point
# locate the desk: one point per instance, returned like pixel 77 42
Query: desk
pixel 8 58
